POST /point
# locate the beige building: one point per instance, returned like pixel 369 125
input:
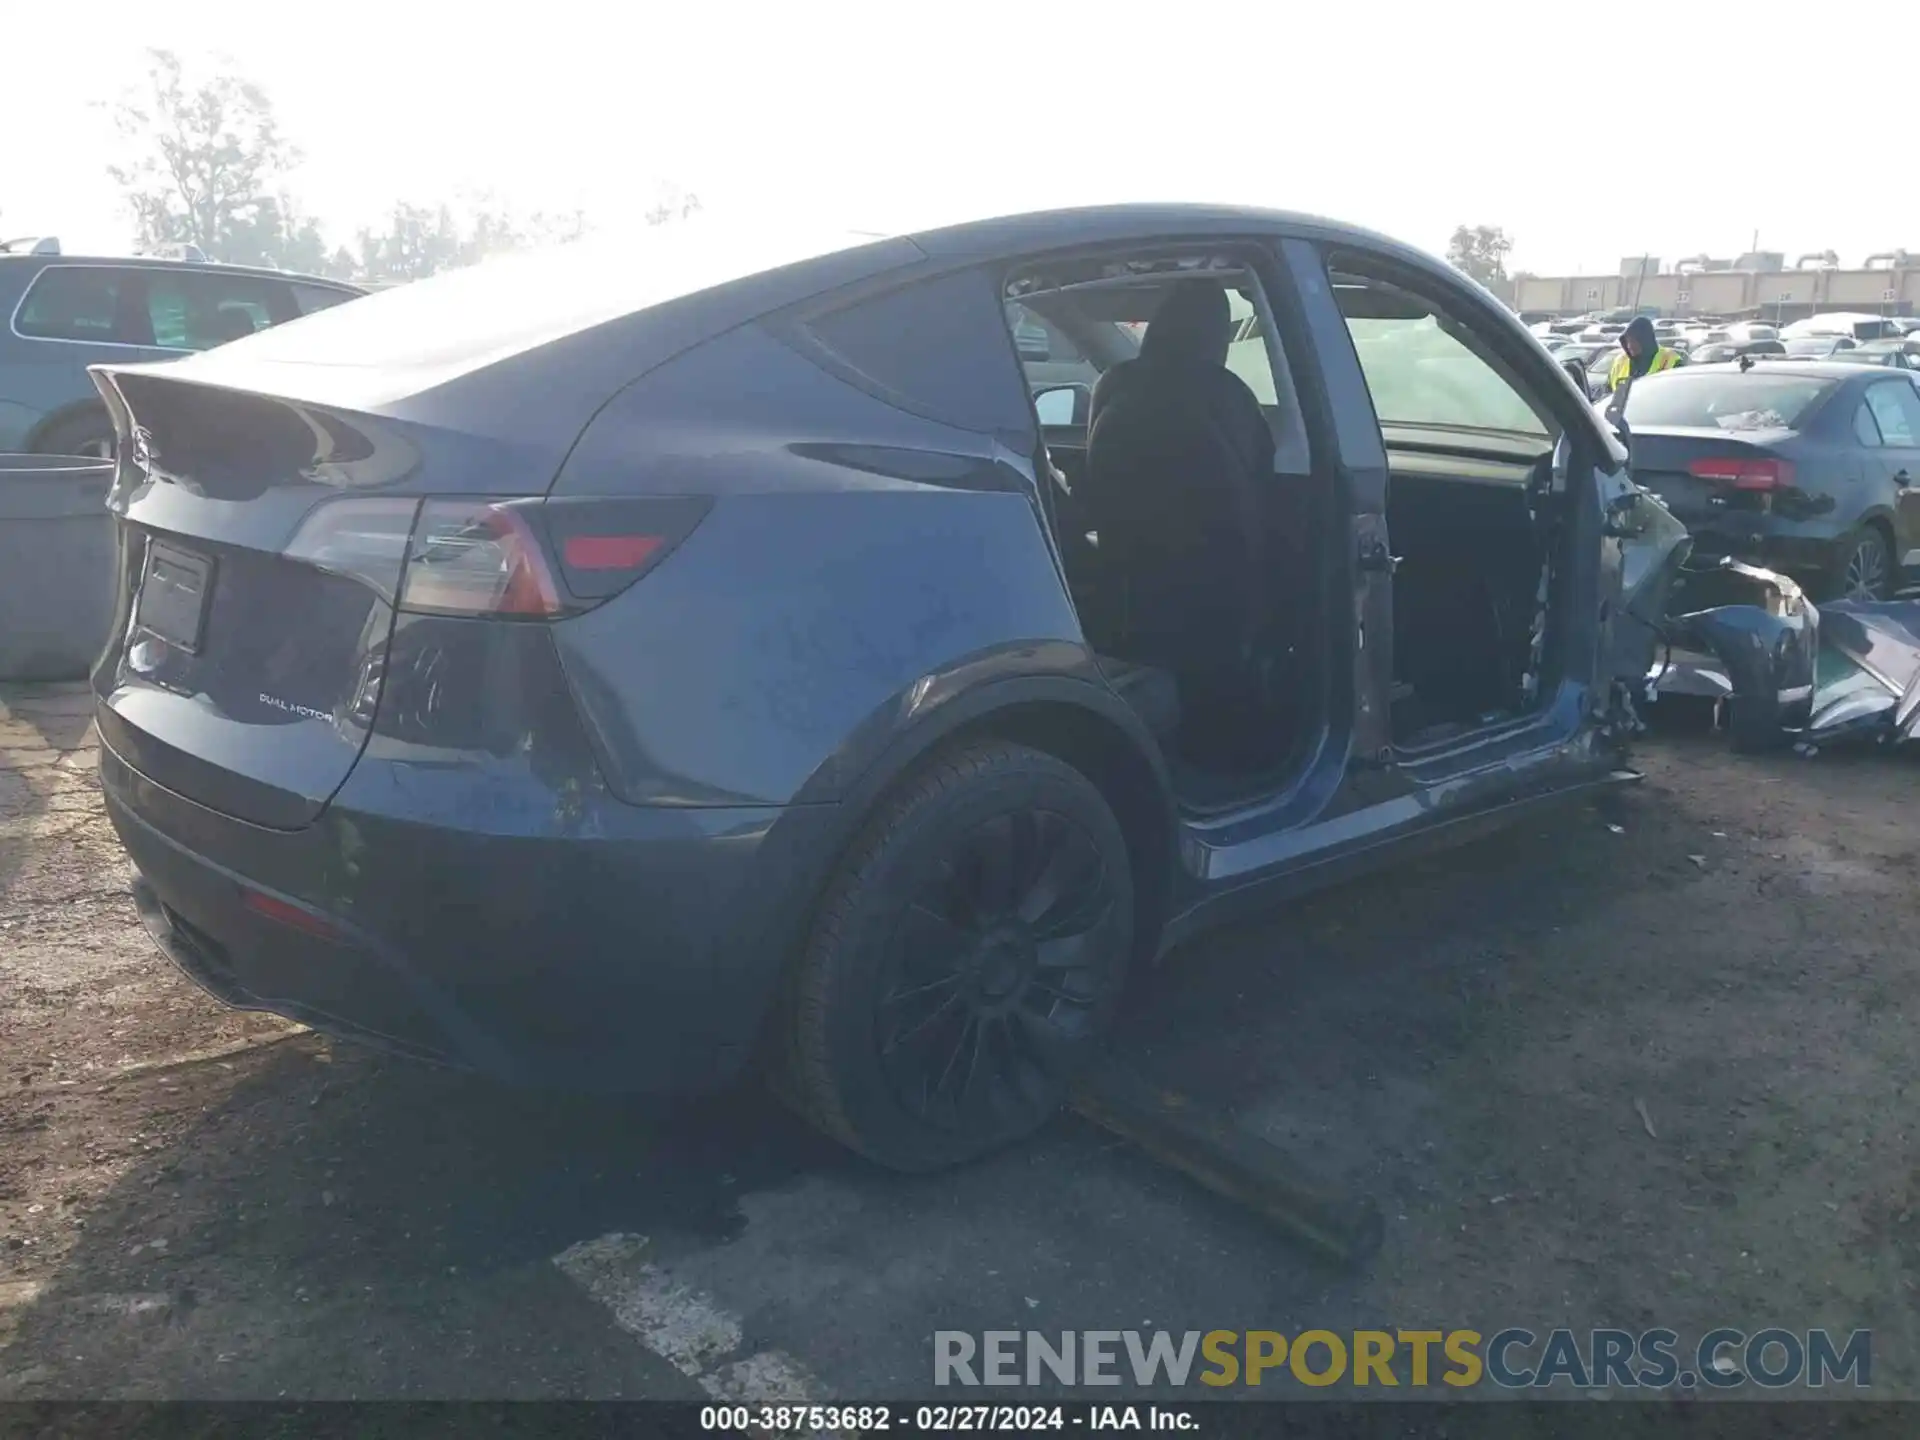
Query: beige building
pixel 1888 285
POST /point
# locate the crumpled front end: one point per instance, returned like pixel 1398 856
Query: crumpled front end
pixel 1795 673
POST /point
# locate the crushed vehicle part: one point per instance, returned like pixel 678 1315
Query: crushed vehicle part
pixel 1759 653
pixel 1796 673
pixel 1868 680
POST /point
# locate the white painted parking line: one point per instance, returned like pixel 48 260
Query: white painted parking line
pixel 683 1326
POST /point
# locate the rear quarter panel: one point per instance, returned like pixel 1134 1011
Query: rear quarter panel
pixel 861 567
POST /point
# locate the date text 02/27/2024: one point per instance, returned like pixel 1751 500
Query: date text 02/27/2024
pixel 939 1419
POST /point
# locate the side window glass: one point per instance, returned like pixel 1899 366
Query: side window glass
pixel 313 298
pixel 1247 353
pixel 1864 430
pixel 1427 369
pixel 1888 401
pixel 938 348
pixel 1908 399
pixel 196 311
pixel 72 302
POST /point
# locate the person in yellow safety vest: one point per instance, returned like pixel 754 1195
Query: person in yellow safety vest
pixel 1640 354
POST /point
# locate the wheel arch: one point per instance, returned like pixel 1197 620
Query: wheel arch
pixel 72 410
pixel 1076 720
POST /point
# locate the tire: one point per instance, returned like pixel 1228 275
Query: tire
pixel 1862 555
pixel 88 433
pixel 966 958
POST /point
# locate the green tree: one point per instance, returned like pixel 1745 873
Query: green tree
pixel 1480 251
pixel 204 160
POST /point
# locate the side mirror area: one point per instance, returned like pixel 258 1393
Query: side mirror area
pixel 1062 407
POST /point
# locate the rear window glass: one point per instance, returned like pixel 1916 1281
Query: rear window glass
pixel 72 302
pixel 940 347
pixel 1726 401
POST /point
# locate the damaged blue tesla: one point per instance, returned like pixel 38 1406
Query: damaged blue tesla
pixel 735 652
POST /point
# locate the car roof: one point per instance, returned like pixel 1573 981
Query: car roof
pixel 167 262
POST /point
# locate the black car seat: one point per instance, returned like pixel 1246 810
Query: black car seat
pixel 231 323
pixel 1178 452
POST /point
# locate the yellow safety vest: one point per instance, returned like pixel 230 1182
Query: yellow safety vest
pixel 1663 359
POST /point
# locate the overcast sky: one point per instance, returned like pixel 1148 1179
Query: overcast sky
pixel 1408 117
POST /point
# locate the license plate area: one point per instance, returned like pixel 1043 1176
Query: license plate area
pixel 175 589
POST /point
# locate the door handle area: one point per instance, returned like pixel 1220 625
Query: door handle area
pixel 1377 559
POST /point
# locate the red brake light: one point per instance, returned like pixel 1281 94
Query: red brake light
pixel 605 544
pixel 608 552
pixel 272 908
pixel 1744 472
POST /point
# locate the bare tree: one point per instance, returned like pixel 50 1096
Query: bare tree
pixel 205 157
pixel 1480 251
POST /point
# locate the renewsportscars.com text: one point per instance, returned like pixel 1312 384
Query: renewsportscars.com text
pixel 1513 1358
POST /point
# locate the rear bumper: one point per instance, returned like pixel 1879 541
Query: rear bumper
pixel 1803 555
pixel 619 948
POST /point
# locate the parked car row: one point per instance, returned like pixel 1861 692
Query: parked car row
pixel 1811 468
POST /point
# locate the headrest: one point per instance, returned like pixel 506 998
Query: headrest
pixel 1193 326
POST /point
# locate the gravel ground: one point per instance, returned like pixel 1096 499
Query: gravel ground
pixel 1646 1063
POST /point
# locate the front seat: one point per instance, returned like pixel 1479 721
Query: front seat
pixel 1178 452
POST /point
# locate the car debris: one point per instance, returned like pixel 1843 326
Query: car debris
pixel 1797 674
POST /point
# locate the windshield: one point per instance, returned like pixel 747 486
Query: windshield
pixel 1818 345
pixel 1726 400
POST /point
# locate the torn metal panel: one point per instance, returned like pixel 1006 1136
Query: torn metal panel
pixel 1869 681
pixel 1796 672
pixel 1760 654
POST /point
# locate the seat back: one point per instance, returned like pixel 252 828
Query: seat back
pixel 1177 451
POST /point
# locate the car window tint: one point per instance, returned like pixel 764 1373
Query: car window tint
pixel 1725 399
pixel 1864 430
pixel 1893 405
pixel 1420 374
pixel 939 347
pixel 73 302
pixel 314 298
pixel 197 310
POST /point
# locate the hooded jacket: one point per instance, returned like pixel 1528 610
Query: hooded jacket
pixel 1652 359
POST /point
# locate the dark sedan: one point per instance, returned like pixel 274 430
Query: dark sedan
pixel 1806 466
pixel 627 667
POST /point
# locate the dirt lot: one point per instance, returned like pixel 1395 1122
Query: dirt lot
pixel 1654 1076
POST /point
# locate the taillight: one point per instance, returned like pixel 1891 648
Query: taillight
pixel 365 539
pixel 509 559
pixel 1744 472
pixel 479 558
pixel 606 545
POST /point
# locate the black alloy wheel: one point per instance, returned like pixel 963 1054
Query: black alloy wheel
pixel 992 980
pixel 967 959
pixel 1866 569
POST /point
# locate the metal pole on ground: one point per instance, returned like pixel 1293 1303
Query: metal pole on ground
pixel 1208 1147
